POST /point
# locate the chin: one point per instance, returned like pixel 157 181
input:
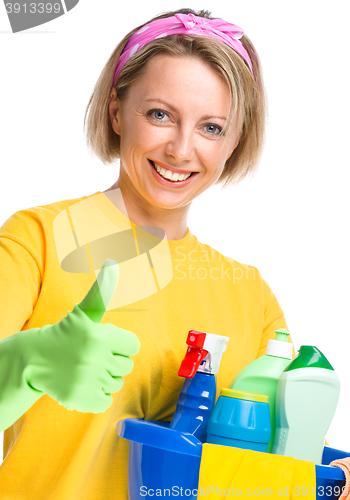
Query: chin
pixel 171 206
pixel 167 203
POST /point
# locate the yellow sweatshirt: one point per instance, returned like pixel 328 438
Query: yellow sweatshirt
pixel 51 453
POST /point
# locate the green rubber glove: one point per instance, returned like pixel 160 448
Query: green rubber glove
pixel 78 361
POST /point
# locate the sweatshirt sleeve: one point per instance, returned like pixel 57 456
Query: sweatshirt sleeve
pixel 273 318
pixel 20 274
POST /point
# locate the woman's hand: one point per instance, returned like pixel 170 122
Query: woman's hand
pixel 78 361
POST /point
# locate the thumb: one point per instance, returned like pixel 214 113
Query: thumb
pixel 97 299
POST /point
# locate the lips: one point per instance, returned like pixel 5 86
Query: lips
pixel 167 182
pixel 173 170
pixel 174 176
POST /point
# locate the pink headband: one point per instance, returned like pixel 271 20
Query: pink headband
pixel 183 23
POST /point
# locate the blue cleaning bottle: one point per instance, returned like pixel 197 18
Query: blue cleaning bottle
pixel 198 394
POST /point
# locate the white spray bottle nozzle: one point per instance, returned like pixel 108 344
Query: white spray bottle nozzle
pixel 203 353
pixel 215 345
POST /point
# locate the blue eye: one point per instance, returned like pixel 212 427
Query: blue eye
pixel 158 114
pixel 215 127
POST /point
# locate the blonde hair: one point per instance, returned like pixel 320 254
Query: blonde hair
pixel 247 94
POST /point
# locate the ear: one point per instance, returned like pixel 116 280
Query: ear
pixel 234 147
pixel 114 111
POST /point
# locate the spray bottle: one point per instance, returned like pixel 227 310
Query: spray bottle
pixel 199 367
pixel 261 375
pixel 307 397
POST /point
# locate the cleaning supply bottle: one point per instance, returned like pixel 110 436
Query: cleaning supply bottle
pixel 261 375
pixel 307 397
pixel 198 394
pixel 240 419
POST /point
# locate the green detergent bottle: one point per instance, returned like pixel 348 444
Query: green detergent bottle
pixel 307 397
pixel 261 375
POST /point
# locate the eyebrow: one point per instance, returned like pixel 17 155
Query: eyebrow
pixel 176 111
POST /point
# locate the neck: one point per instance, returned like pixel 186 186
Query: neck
pixel 142 213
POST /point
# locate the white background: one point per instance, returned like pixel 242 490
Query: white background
pixel 291 221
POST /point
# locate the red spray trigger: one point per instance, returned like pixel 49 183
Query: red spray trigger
pixel 196 339
pixel 194 355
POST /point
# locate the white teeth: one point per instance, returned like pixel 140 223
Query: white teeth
pixel 167 174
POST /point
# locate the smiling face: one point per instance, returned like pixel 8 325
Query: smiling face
pixel 172 118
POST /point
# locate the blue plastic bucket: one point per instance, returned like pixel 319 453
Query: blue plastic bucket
pixel 160 459
pixel 330 480
pixel 166 460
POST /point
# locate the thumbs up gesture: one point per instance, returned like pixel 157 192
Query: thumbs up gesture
pixel 78 361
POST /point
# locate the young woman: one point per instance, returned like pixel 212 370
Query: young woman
pixel 181 103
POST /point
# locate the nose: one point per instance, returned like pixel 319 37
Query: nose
pixel 181 146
